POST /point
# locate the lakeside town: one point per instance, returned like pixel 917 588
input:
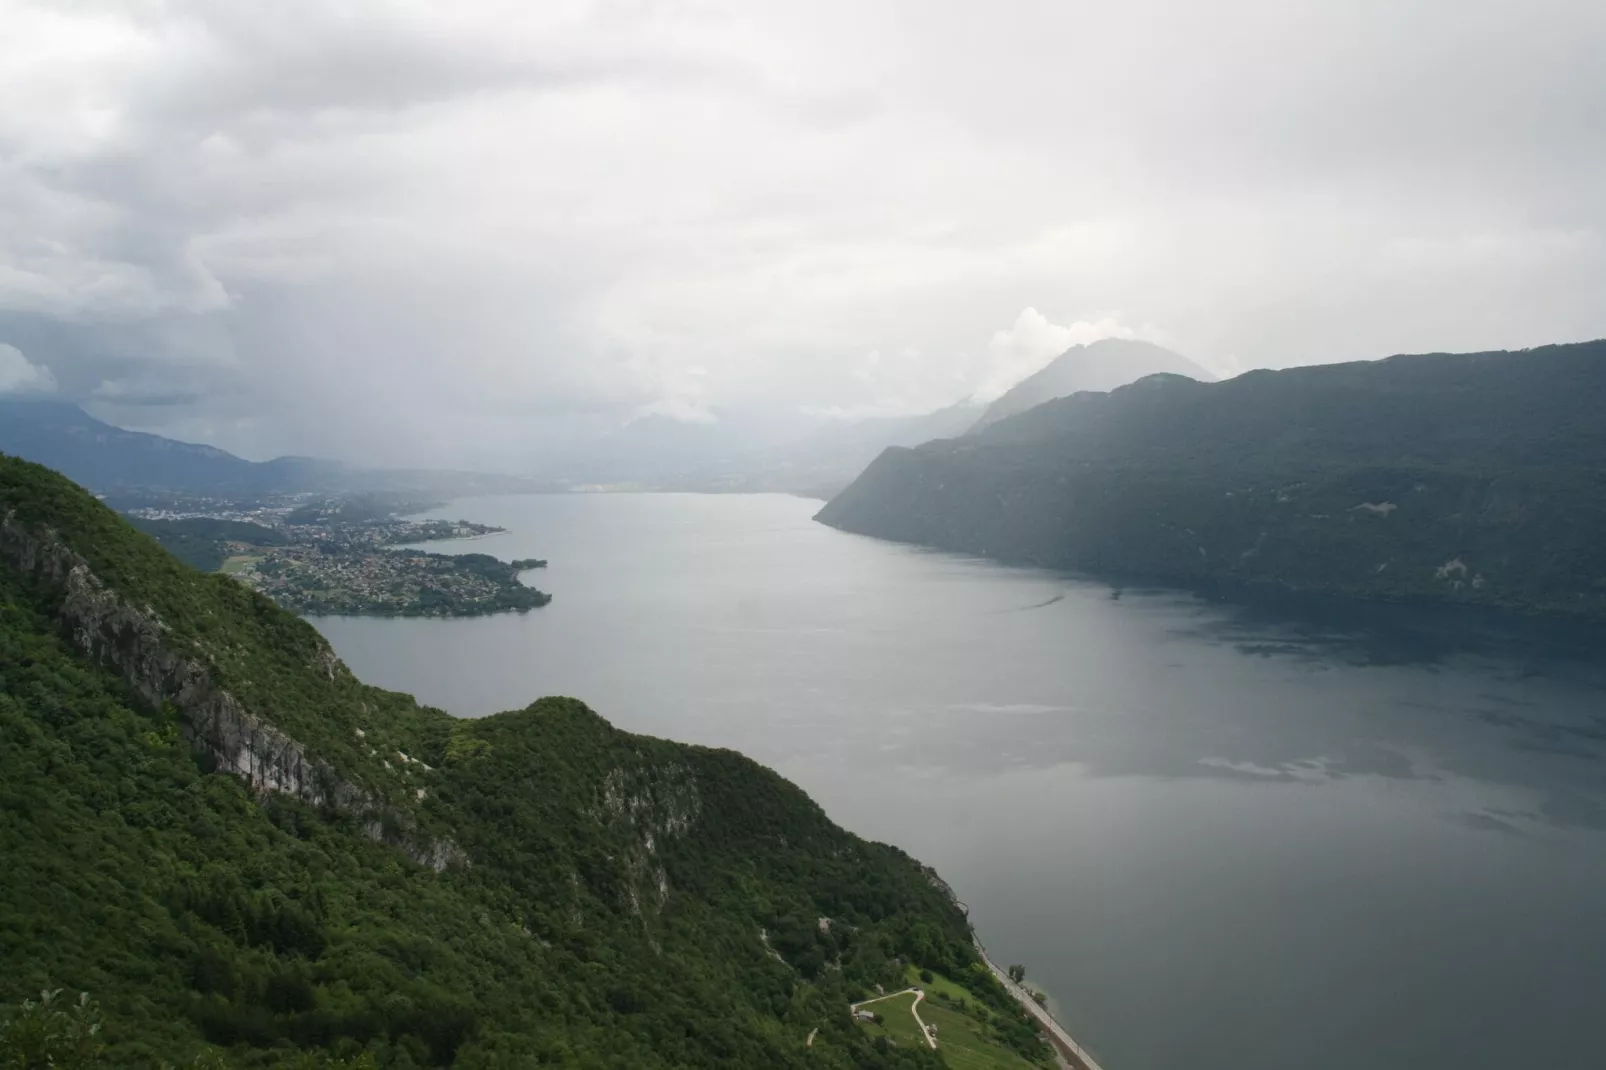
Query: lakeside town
pixel 342 555
pixel 328 578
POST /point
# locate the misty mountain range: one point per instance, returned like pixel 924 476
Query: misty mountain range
pixel 104 458
pixel 738 452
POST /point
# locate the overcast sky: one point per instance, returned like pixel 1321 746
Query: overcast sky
pixel 434 232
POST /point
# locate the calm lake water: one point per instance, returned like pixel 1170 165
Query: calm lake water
pixel 1221 839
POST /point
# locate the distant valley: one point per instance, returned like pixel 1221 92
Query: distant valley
pixel 819 456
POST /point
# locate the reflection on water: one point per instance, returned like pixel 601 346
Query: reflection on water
pixel 1269 837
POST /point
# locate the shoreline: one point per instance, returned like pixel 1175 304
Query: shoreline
pixel 1071 1053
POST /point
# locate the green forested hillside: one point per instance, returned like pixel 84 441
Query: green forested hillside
pixel 202 542
pixel 377 879
pixel 1476 479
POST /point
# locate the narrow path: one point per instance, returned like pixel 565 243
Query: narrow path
pixel 914 1009
pixel 878 999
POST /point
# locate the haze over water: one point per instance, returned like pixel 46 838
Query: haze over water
pixel 1221 840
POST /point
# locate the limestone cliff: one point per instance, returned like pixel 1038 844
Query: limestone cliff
pixel 135 643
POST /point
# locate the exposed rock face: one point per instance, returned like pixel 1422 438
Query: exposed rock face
pixel 657 800
pixel 133 643
pixel 654 803
pixel 436 854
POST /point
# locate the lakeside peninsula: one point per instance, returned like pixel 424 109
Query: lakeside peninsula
pixel 344 556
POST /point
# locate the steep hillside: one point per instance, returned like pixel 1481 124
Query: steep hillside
pixel 1463 478
pixel 1103 365
pixel 246 855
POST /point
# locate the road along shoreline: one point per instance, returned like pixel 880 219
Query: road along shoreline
pixel 1058 1036
pixel 1070 1053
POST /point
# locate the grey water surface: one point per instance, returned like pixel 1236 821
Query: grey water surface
pixel 1222 838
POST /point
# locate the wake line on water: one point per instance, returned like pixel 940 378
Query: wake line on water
pixel 1035 605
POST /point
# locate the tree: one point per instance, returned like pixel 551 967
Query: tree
pixel 44 1035
pixel 925 976
pixel 1017 973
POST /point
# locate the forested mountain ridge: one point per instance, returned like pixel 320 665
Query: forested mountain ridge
pixel 1476 478
pixel 242 851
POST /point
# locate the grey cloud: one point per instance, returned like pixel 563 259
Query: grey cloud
pixel 475 232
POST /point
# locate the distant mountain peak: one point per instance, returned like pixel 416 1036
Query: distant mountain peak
pixel 1102 366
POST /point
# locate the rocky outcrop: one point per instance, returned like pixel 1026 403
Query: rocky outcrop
pixel 133 643
pixel 136 644
pixel 436 854
pixel 654 804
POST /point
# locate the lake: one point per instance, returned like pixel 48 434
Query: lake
pixel 1221 838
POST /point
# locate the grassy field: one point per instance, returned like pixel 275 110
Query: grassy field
pixel 898 1023
pixel 961 1021
pixel 963 1043
pixel 239 561
pixel 938 987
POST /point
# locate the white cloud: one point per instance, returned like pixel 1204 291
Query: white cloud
pixel 19 376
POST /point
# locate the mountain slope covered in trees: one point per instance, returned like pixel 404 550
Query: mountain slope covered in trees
pixel 248 856
pixel 1476 478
